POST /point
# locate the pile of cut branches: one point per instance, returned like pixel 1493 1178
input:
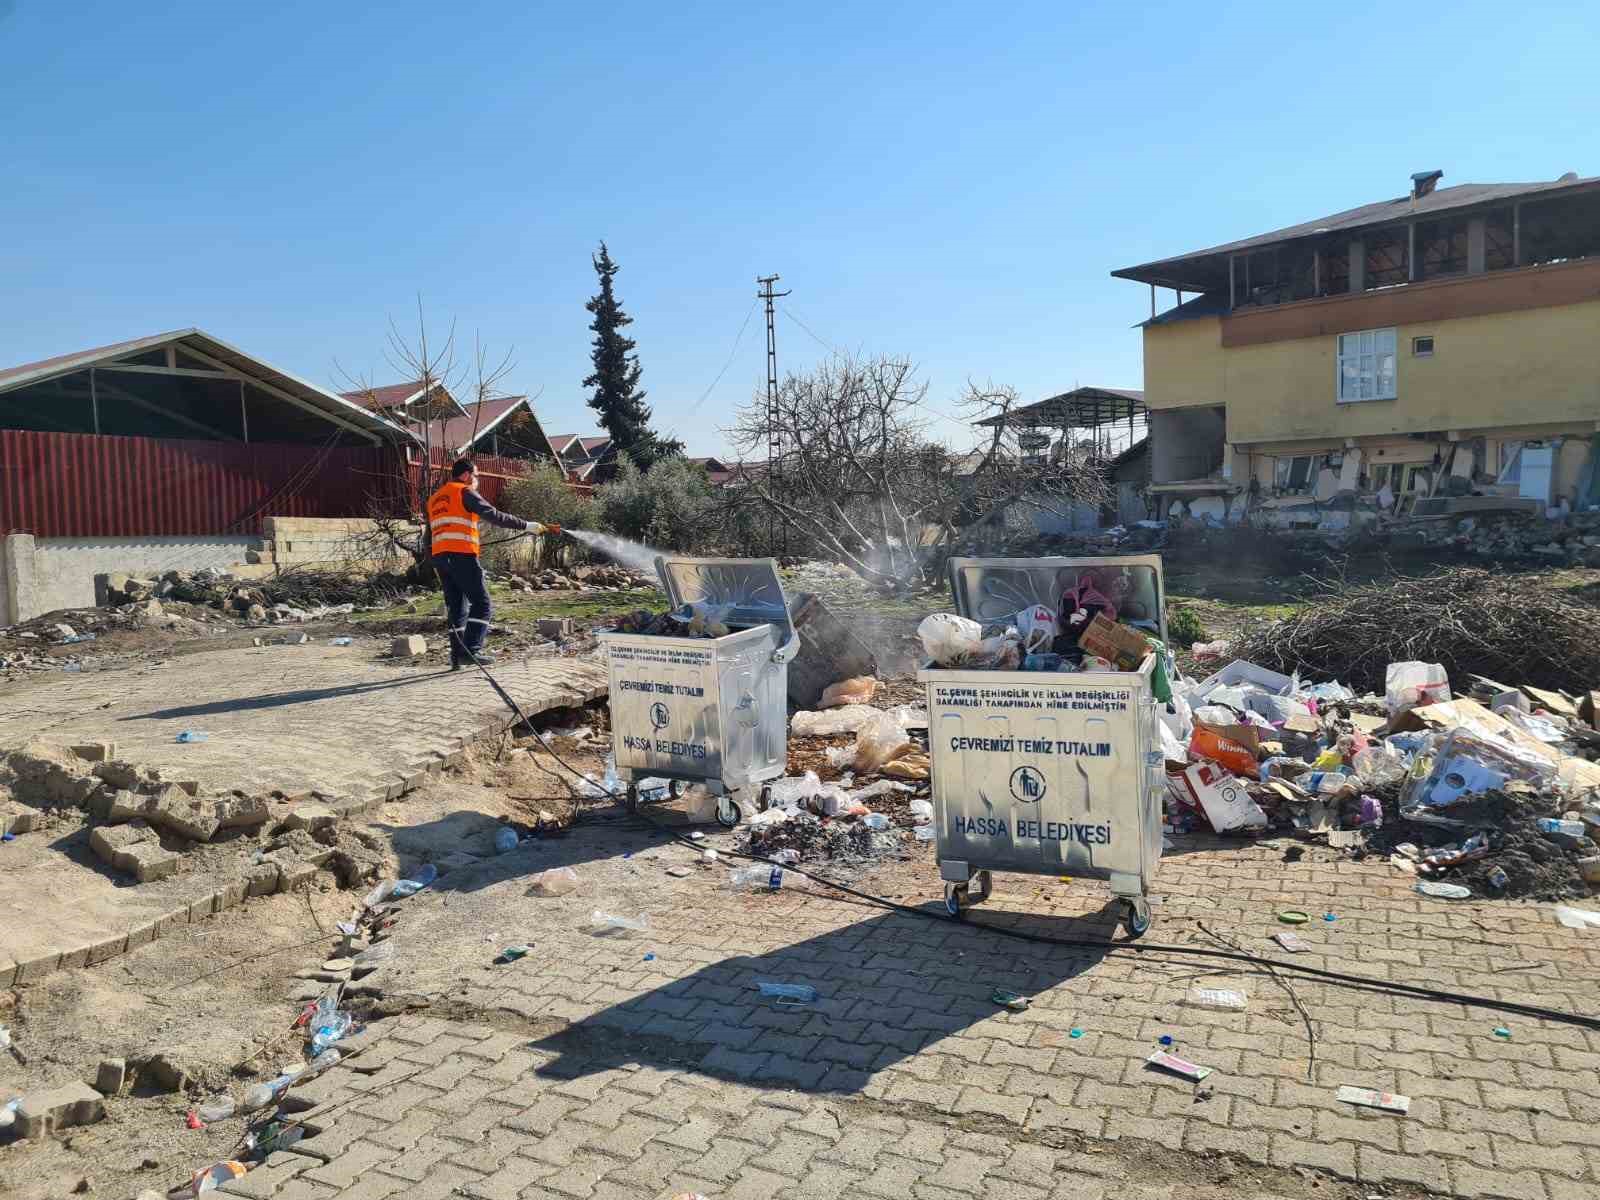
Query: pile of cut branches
pixel 1515 629
pixel 311 587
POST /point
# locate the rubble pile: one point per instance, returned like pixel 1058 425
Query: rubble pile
pixel 144 824
pixel 1571 541
pixel 1471 620
pixel 1501 800
pixel 602 578
pixel 818 839
pixel 51 642
pixel 292 595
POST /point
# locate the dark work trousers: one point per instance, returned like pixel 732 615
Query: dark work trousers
pixel 466 602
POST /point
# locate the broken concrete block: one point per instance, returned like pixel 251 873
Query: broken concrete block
pixel 409 647
pixel 555 628
pixel 310 816
pixel 161 1070
pixel 187 816
pixel 122 806
pixel 109 1078
pixel 238 811
pixel 95 751
pixel 59 1108
pixel 134 847
pixel 294 876
pixel 262 879
pixel 118 774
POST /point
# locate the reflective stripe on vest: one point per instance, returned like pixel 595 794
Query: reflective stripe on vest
pixel 453 529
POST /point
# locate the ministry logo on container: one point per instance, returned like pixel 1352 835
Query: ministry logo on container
pixel 1027 785
pixel 660 716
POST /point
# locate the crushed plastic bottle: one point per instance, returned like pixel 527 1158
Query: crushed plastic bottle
pixel 328 1024
pixel 328 1058
pixel 800 993
pixel 259 1095
pixel 505 840
pixel 192 735
pixel 757 878
pixel 378 894
pixel 612 782
pixel 410 887
pixel 605 922
pixel 340 641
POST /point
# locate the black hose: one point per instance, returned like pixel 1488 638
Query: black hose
pixel 1338 978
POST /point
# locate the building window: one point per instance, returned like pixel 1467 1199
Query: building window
pixel 1422 347
pixel 1366 366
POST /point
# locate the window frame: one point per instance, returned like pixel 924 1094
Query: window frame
pixel 1379 343
pixel 1416 346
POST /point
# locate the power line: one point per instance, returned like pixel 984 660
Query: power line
pixel 826 345
pixel 750 312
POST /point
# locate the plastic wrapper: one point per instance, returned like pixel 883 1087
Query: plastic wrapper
pixel 1037 628
pixel 1409 684
pixel 557 881
pixel 881 740
pixel 1235 756
pixel 792 793
pixel 859 690
pixel 831 723
pixel 1466 764
pixel 1380 765
pixel 947 637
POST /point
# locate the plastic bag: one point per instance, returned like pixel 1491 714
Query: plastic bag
pixel 557 881
pixel 1412 684
pixel 792 793
pixel 880 740
pixel 828 724
pixel 1037 628
pixel 1380 765
pixel 702 619
pixel 1466 764
pixel 1236 757
pixel 859 690
pixel 947 638
pixel 1207 651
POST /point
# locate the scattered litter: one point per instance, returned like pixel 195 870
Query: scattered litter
pixel 329 1023
pixel 192 1121
pixel 341 641
pixel 757 878
pixel 679 872
pixel 1217 999
pixel 1577 918
pixel 192 735
pixel 218 1109
pixel 858 690
pixel 1293 916
pixel 1074 1032
pixel 378 952
pixel 650 956
pixel 1178 1066
pixel 1292 942
pixel 1500 1031
pixel 1368 1098
pixel 1444 891
pixel 793 993
pixel 1330 917
pixel 1165 1039
pixel 410 887
pixel 1011 1000
pixel 511 953
pixel 208 1179
pixel 605 923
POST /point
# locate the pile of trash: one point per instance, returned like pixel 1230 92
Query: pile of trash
pixel 808 820
pixel 697 620
pixel 66 637
pixel 1471 620
pixel 600 578
pixel 883 744
pixel 1500 797
pixel 1571 541
pixel 1083 634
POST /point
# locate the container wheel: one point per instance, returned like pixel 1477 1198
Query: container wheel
pixel 985 882
pixel 1136 919
pixel 728 812
pixel 957 899
pixel 632 798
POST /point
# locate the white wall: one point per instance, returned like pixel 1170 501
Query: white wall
pixel 64 568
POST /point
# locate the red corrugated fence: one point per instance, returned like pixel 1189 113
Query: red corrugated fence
pixel 89 485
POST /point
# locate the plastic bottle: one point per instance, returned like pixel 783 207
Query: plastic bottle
pixel 1553 825
pixel 755 878
pixel 378 894
pixel 328 1024
pixel 192 735
pixel 505 840
pixel 802 992
pixel 875 821
pixel 341 641
pixel 410 887
pixel 328 1058
pixel 259 1095
pixel 612 782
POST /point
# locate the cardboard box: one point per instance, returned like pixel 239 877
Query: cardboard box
pixel 1220 796
pixel 1121 645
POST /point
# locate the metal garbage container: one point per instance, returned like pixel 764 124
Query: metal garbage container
pixel 707 710
pixel 1048 773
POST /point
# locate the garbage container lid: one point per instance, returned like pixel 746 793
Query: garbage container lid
pixel 750 585
pixel 993 589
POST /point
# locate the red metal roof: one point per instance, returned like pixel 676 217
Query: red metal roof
pixel 390 395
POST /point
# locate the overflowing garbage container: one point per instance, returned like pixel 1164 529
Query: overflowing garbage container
pixel 1056 769
pixel 703 696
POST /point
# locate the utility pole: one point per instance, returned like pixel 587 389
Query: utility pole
pixel 774 437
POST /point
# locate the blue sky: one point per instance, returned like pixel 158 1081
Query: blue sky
pixel 948 182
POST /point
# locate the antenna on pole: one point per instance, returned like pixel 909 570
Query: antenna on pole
pixel 774 434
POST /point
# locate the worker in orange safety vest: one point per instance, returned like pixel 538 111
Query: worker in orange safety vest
pixel 453 515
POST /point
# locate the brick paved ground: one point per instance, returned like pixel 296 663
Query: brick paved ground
pixel 342 720
pixel 588 1070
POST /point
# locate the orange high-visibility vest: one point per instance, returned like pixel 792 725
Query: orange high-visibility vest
pixel 453 529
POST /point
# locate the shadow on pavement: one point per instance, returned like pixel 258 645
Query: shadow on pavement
pixel 888 987
pixel 279 699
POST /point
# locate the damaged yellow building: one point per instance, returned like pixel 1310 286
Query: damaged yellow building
pixel 1437 353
